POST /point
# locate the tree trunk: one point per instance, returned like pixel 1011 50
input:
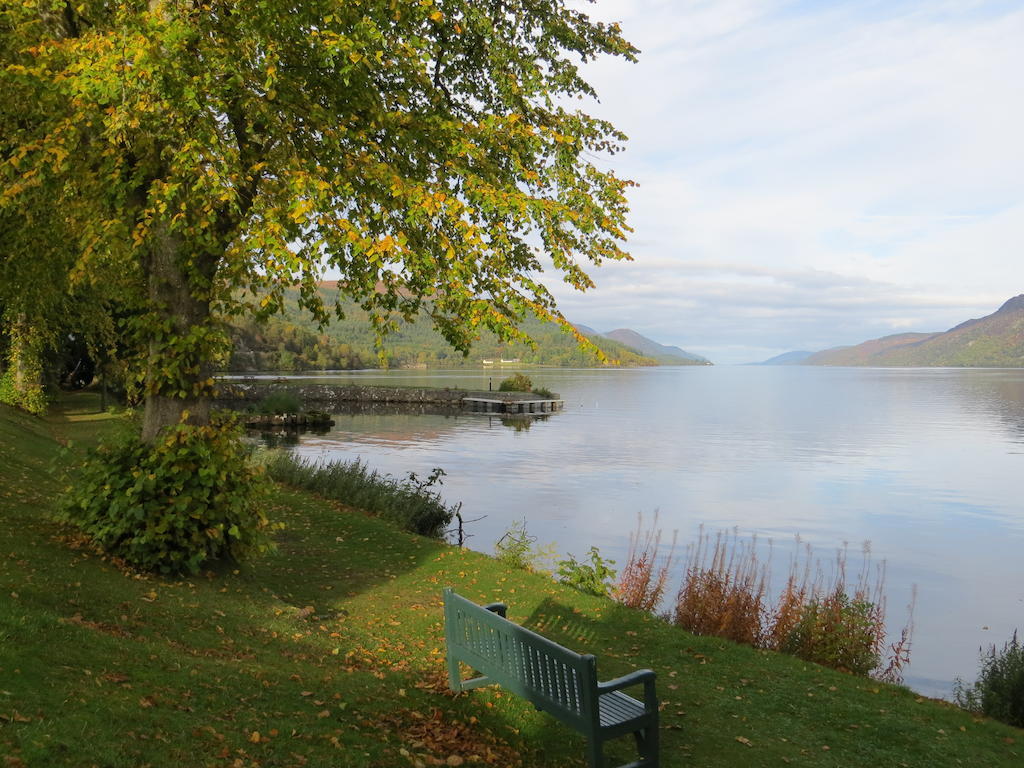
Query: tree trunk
pixel 24 358
pixel 26 367
pixel 179 297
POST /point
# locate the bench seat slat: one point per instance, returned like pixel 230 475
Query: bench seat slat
pixel 617 707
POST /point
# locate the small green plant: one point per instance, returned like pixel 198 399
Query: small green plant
pixel 279 402
pixel 172 506
pixel 517 383
pixel 999 689
pixel 593 577
pixel 515 546
pixel 517 549
pixel 544 392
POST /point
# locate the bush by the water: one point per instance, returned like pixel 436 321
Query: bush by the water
pixel 279 402
pixel 999 689
pixel 520 382
pixel 839 632
pixel 411 503
pixel 172 506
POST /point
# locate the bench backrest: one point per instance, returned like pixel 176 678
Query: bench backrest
pixel 556 679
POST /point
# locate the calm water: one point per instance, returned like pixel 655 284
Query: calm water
pixel 926 464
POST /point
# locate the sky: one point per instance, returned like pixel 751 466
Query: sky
pixel 811 173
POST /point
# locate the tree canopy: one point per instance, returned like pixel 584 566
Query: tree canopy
pixel 212 154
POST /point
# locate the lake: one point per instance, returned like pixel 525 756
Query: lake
pixel 925 464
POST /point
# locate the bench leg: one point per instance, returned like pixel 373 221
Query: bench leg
pixel 647 745
pixel 595 753
pixel 454 674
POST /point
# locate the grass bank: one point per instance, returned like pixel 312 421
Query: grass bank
pixel 330 652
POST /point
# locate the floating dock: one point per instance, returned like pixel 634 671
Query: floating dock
pixel 511 405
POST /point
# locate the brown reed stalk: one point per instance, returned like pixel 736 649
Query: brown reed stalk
pixel 642 581
pixel 785 613
pixel 898 656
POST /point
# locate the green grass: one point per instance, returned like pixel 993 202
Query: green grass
pixel 330 652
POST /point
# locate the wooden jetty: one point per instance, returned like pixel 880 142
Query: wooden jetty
pixel 515 405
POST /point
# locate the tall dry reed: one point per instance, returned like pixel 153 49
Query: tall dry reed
pixel 642 581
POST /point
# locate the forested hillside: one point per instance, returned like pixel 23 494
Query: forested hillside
pixel 293 342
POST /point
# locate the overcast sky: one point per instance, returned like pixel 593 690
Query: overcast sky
pixel 812 173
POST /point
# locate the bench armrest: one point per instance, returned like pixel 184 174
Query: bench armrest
pixel 498 608
pixel 644 676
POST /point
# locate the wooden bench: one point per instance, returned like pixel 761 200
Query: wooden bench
pixel 554 679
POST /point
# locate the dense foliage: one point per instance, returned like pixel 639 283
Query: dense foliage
pixel 999 689
pixel 172 506
pixel 222 153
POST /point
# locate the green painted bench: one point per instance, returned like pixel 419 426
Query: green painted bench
pixel 554 679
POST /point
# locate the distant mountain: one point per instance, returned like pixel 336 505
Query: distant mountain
pixel 993 341
pixel 786 358
pixel 660 352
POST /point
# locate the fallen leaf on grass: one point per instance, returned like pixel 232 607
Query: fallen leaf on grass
pixel 744 740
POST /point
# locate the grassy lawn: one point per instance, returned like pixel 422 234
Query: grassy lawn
pixel 330 652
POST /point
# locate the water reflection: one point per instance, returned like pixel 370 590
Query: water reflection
pixel 284 436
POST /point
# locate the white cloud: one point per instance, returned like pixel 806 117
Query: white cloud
pixel 813 174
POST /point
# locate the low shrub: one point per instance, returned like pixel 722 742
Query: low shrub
pixel 999 689
pixel 544 392
pixel 517 383
pixel 411 504
pixel 592 577
pixel 279 402
pixel 172 506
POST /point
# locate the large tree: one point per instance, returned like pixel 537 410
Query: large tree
pixel 220 151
